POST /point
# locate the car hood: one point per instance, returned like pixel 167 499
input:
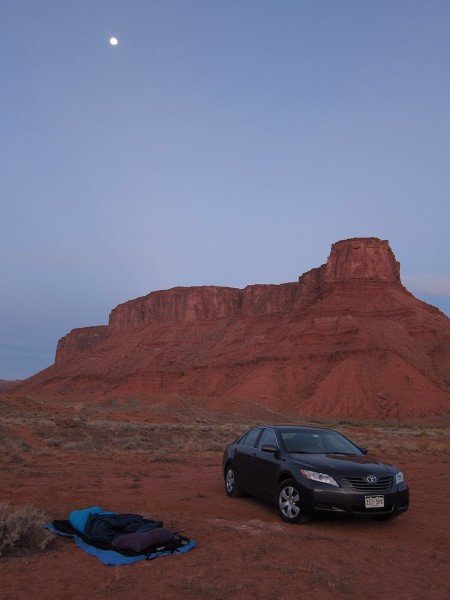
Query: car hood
pixel 343 464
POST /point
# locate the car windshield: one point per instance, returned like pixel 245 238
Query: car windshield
pixel 317 442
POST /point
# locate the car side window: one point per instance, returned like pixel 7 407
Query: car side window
pixel 252 437
pixel 268 438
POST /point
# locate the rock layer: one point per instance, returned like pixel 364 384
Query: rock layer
pixel 345 340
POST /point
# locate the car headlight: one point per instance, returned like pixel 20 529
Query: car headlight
pixel 399 478
pixel 322 477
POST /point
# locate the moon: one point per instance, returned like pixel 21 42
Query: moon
pixel 113 41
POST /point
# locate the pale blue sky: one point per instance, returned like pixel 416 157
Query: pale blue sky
pixel 220 143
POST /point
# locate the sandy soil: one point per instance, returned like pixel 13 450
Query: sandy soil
pixel 165 462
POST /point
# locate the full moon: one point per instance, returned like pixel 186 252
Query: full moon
pixel 113 41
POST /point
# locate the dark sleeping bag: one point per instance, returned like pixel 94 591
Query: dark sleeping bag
pixel 139 541
pixel 130 544
pixel 106 527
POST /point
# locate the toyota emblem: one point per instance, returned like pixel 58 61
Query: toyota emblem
pixel 371 479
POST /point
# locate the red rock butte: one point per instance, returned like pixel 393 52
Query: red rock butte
pixel 345 340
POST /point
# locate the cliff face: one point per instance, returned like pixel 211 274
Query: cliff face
pixel 79 340
pixel 346 339
pixel 198 303
pixel 362 260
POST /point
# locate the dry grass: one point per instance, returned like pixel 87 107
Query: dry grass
pixel 26 433
pixel 112 585
pixel 110 436
pixel 200 585
pixel 22 530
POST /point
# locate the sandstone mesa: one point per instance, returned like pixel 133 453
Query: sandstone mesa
pixel 346 340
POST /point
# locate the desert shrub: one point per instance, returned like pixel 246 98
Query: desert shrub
pixel 15 445
pixel 14 450
pixel 22 530
pixel 162 458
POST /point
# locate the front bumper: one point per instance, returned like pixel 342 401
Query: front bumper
pixel 344 501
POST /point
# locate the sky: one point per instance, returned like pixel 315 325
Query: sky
pixel 220 142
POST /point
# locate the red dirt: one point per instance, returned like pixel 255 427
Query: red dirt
pixel 244 550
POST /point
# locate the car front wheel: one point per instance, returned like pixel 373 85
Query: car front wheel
pixel 231 485
pixel 288 502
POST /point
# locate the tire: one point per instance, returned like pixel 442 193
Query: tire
pixel 232 488
pixel 288 502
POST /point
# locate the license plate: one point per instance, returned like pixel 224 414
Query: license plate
pixel 374 501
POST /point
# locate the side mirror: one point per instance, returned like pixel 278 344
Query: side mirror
pixel 364 450
pixel 269 448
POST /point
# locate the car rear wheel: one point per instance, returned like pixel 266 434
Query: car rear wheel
pixel 288 502
pixel 231 485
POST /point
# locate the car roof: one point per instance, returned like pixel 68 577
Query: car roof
pixel 282 428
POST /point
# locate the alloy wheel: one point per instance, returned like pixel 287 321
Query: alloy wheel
pixel 287 502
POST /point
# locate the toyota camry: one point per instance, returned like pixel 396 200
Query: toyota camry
pixel 311 470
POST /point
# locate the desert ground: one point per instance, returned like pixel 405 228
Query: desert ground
pixel 161 457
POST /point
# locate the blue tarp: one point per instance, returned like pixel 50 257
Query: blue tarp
pixel 111 557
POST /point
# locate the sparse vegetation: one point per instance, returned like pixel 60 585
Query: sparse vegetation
pixel 168 441
pixel 22 530
pixel 112 584
pixel 164 462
